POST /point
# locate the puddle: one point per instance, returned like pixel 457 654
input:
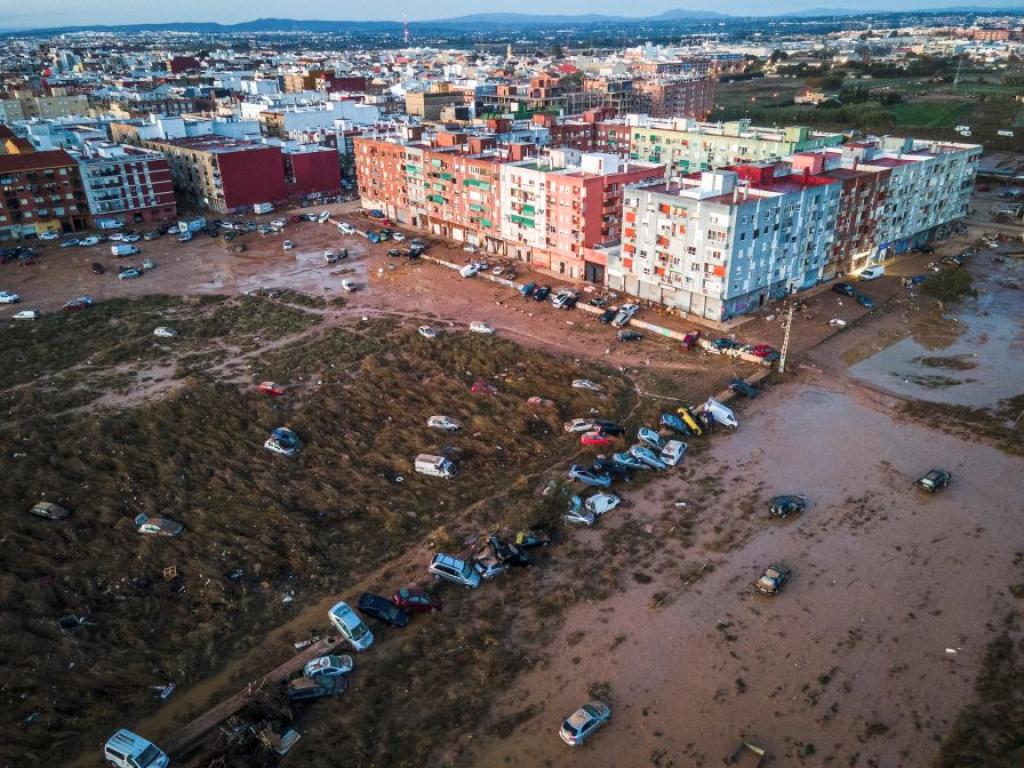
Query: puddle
pixel 974 356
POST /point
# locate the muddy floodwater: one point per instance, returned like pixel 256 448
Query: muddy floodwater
pixel 972 356
pixel 893 599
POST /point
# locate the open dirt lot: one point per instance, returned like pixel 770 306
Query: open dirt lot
pixel 895 596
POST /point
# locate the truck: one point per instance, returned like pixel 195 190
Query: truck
pixel 435 466
pixel 261 208
pixel 198 224
pixel 124 250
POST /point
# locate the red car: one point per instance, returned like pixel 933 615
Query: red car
pixel 483 388
pixel 272 389
pixel 415 599
pixel 596 438
pixel 762 350
pixel 690 340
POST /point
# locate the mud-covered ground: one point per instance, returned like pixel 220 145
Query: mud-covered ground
pixel 651 609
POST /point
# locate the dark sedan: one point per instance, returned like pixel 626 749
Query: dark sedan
pixel 865 301
pixel 844 289
pixel 784 506
pixel 383 609
pixel 541 293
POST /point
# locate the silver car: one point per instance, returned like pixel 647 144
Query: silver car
pixel 584 722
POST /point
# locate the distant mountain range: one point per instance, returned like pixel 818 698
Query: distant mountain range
pixel 483 21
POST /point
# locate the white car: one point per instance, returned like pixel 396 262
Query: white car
pixel 578 425
pixel 115 237
pixel 6 297
pixel 27 314
pixel 348 285
pixel 470 269
pixel 351 627
pixel 478 327
pixel 427 332
pixel 49 236
pixel 872 273
pixel 165 333
pixel 398 237
pixel 600 503
pixel 673 452
pixel 447 423
pixel 584 722
pixel 158 526
pixel 346 229
pixel 279 223
pixel 89 241
pixel 328 666
pixel 470 248
pixel 287 245
pixel 586 384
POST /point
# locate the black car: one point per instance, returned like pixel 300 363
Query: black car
pixel 312 688
pixel 383 609
pixel 741 387
pixel 925 249
pixel 865 301
pixel 935 480
pixel 844 289
pixel 606 427
pixel 508 553
pixel 607 316
pixel 784 506
pixel 394 252
pixel 97 268
pixel 541 293
pixel 628 336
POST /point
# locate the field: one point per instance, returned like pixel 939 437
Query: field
pixel 303 527
pixel 925 112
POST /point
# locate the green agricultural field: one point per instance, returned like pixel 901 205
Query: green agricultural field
pixel 924 114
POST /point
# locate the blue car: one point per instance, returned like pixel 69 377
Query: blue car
pixel 673 422
pixel 527 290
pixel 589 477
pixel 648 457
pixel 630 462
pixel 865 301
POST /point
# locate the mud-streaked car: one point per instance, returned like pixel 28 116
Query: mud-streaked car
pixel 647 456
pixel 673 452
pixel 773 579
pixel 478 326
pixel 934 480
pixel 159 526
pixel 596 438
pixel 584 723
pixel 382 609
pixel 27 314
pixel 328 666
pixel 578 425
pixel 446 423
pixel 351 626
pixel 443 566
pixel 164 332
pixel 50 511
pixel 600 503
pixel 589 477
pixel 587 384
pixel 415 599
pixel 271 388
pixel 578 514
pixel 784 506
pixel 311 689
pixel 282 441
pixel 426 332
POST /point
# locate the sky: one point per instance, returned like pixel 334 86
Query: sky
pixel 50 13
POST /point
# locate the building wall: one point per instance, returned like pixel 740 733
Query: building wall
pixel 251 176
pixel 134 189
pixel 313 173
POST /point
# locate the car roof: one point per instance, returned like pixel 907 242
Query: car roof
pixel 129 742
pixel 444 559
pixel 345 613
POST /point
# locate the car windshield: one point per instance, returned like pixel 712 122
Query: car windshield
pixel 149 755
pixel 359 631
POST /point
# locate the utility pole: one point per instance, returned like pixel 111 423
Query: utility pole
pixel 785 340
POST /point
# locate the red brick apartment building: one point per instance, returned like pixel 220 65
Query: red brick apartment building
pixel 41 192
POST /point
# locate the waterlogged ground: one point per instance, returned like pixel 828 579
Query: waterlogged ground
pixel 973 355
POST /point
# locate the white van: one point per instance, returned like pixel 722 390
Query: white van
pixel 129 750
pixel 124 250
pixel 721 413
pixel 871 273
pixel 435 466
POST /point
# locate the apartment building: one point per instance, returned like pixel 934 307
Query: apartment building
pixel 686 146
pixel 131 184
pixel 41 192
pixel 25 105
pixel 228 175
pixel 717 244
pixel 429 104
pixel 556 209
pixel 678 97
